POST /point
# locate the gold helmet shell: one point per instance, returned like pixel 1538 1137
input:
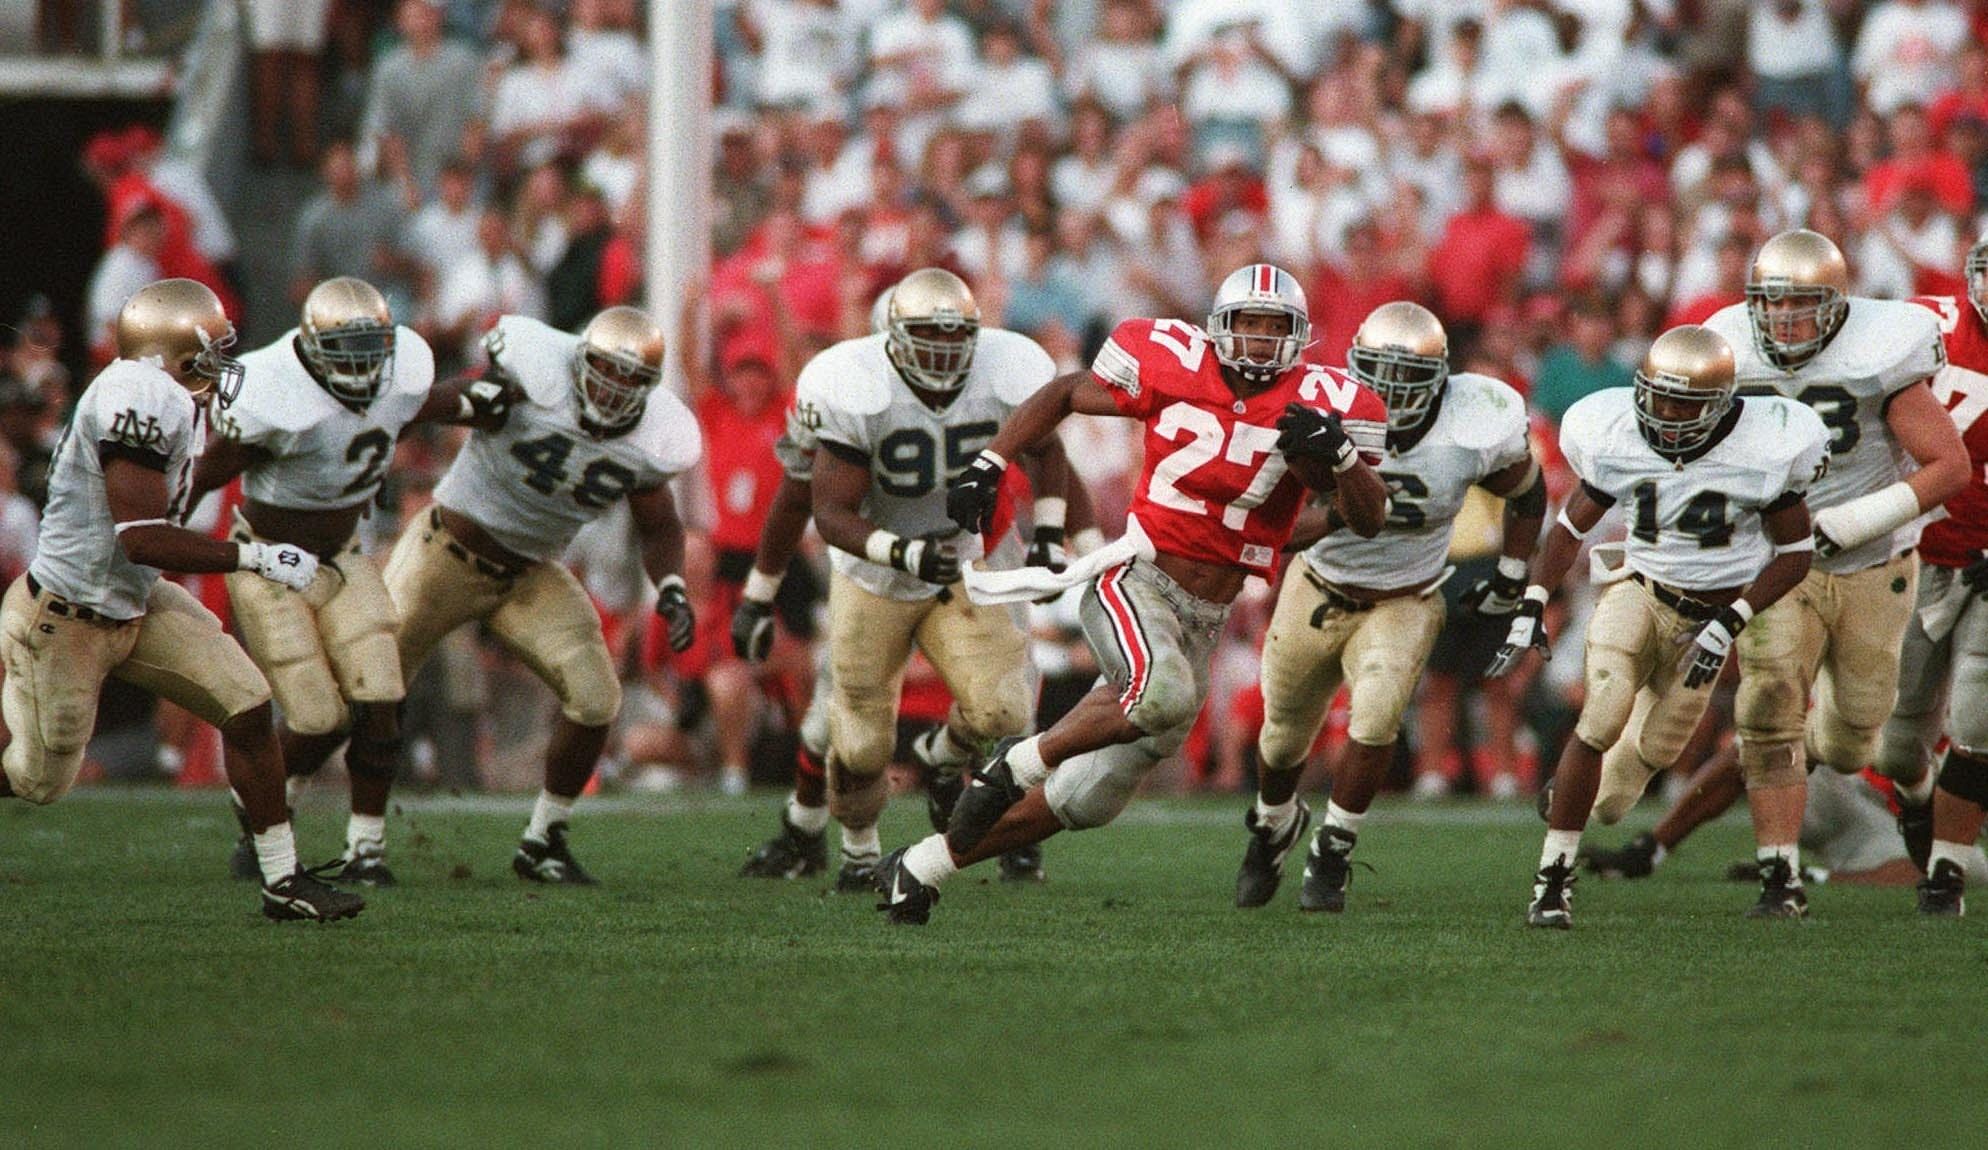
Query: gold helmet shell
pixel 932 325
pixel 181 324
pixel 1797 295
pixel 1687 367
pixel 347 337
pixel 619 359
pixel 1403 353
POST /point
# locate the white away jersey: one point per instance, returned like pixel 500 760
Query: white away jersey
pixel 323 454
pixel 1883 347
pixel 1479 429
pixel 533 483
pixel 1696 526
pixel 851 396
pixel 132 410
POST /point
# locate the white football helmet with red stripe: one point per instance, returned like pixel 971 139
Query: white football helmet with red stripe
pixel 1259 288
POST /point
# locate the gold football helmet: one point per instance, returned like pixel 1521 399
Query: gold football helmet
pixel 181 324
pixel 1797 295
pixel 1977 277
pixel 1684 388
pixel 619 359
pixel 346 337
pixel 1402 352
pixel 932 326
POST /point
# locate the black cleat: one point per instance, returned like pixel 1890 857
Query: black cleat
pixel 1263 863
pixel 907 902
pixel 793 853
pixel 856 876
pixel 1636 858
pixel 1328 868
pixel 942 792
pixel 550 861
pixel 986 798
pixel 1552 897
pixel 1781 893
pixel 242 864
pixel 369 869
pixel 1915 826
pixel 1023 864
pixel 1941 893
pixel 303 897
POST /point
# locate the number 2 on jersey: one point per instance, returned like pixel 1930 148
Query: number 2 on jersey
pixel 1208 437
pixel 374 445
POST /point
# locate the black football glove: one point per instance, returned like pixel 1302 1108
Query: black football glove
pixel 673 605
pixel 1528 633
pixel 1046 550
pixel 1715 641
pixel 971 496
pixel 487 400
pixel 752 630
pixel 1494 597
pixel 930 557
pixel 1975 575
pixel 1308 433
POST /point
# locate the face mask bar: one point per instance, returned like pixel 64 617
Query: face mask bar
pixel 1827 310
pixel 934 364
pixel 1275 354
pixel 1406 382
pixel 352 360
pixel 1675 436
pixel 222 372
pixel 612 389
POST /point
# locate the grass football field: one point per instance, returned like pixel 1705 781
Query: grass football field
pixel 143 1002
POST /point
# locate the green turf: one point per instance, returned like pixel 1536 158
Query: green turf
pixel 143 1003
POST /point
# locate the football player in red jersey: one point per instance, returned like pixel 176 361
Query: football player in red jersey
pixel 1943 677
pixel 1216 504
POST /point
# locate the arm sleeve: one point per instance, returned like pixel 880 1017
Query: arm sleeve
pixel 1118 370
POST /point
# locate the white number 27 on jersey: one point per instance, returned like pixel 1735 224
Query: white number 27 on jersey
pixel 1244 443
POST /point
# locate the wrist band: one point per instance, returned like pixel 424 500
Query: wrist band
pixel 464 408
pixel 664 584
pixel 1538 594
pixel 1743 609
pixel 761 587
pixel 994 457
pixel 1050 511
pixel 879 547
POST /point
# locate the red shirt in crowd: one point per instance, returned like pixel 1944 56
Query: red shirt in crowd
pixel 1948 179
pixel 178 258
pixel 1700 308
pixel 741 466
pixel 1218 195
pixel 1340 302
pixel 1477 262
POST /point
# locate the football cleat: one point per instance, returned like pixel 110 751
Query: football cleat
pixel 1636 858
pixel 368 868
pixel 1781 893
pixel 1940 893
pixel 1915 826
pixel 856 876
pixel 943 781
pixel 793 853
pixel 303 897
pixel 1553 897
pixel 907 902
pixel 1023 864
pixel 1263 862
pixel 1328 868
pixel 550 861
pixel 986 798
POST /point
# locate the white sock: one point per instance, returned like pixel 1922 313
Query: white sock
pixel 1025 762
pixel 1918 794
pixel 1276 819
pixel 549 809
pixel 861 846
pixel 1789 851
pixel 929 861
pixel 368 831
pixel 813 820
pixel 276 852
pixel 1338 816
pixel 294 786
pixel 1659 855
pixel 1561 847
pixel 1955 853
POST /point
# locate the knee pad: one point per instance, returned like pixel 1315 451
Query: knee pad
pixel 1766 766
pixel 372 754
pixel 1091 789
pixel 1605 714
pixel 1844 748
pixel 860 734
pixel 1965 777
pixel 1004 712
pixel 311 702
pixel 855 800
pixel 1772 705
pixel 1376 708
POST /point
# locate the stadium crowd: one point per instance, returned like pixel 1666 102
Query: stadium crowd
pixel 1559 180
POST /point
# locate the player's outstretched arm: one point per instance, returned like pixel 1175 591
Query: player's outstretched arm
pixel 660 529
pixel 138 499
pixel 972 494
pixel 1054 483
pixel 1923 428
pixel 471 401
pixel 779 538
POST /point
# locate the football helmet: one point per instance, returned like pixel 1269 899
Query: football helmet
pixel 880 313
pixel 619 359
pixel 1799 279
pixel 932 325
pixel 1687 368
pixel 1402 352
pixel 180 323
pixel 1259 288
pixel 346 338
pixel 1977 277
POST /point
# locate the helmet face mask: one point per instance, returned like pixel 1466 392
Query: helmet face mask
pixel 222 371
pixel 1259 351
pixel 346 336
pixel 1402 353
pixel 620 357
pixel 1797 296
pixel 1684 389
pixel 931 329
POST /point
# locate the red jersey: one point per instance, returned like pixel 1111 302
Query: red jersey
pixel 1215 488
pixel 1962 388
pixel 744 471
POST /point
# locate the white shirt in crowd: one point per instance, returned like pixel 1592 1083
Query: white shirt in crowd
pixel 1888 253
pixel 1122 77
pixel 438 237
pixel 1540 190
pixel 617 176
pixel 1786 49
pixel 478 289
pixel 1905 52
pixel 615 57
pixel 530 97
pixel 1003 96
pixel 807 54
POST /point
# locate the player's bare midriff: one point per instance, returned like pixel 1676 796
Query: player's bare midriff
pixel 323 533
pixel 1209 582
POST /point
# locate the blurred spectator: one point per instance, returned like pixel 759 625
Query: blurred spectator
pixel 1345 290
pixel 1797 60
pixel 993 242
pixel 443 230
pixel 1735 262
pixel 1906 52
pixel 1580 365
pixel 838 175
pixel 1082 178
pixel 922 59
pixel 739 197
pixel 538 218
pixel 130 264
pixel 421 100
pixel 350 229
pixel 1229 186
pixel 601 41
pixel 1009 89
pixel 490 281
pixel 184 185
pixel 1968 98
pixel 1121 68
pixel 615 166
pixel 1915 159
pixel 286 39
pixel 125 165
pixel 1163 270
pixel 545 104
pixel 1914 249
pixel 1477 262
pixel 572 285
pixel 20 522
pixel 806 50
pixel 1232 86
pixel 1041 292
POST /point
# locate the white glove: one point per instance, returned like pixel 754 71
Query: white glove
pixel 282 563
